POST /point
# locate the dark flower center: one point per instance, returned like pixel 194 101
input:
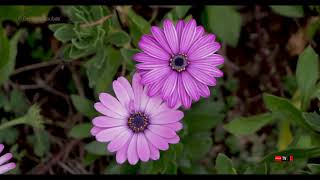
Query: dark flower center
pixel 138 122
pixel 179 62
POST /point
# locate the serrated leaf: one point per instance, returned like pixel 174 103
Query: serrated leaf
pixel 9 135
pixel 127 55
pixel 97 148
pixel 75 53
pixel 83 105
pixel 289 11
pixel 65 33
pixel 8 68
pixel 118 38
pixel 81 131
pixel 282 108
pixel 307 74
pixel 248 125
pixel 224 165
pixel 40 142
pixel 139 21
pixel 18 102
pixel 225 22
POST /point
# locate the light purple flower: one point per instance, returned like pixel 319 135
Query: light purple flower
pixel 135 125
pixel 179 62
pixel 5 167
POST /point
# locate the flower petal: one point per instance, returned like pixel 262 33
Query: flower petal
pixel 155 75
pixel 157 140
pixel 199 33
pixel 154 152
pixel 167 117
pixel 184 97
pixel 174 140
pixel 177 126
pixel 125 83
pixel 110 133
pixel 121 94
pixel 153 104
pixel 5 158
pixel 1 147
pixel 190 86
pixel 145 58
pixel 203 51
pixel 158 34
pixel 7 167
pixel 202 41
pixel 203 89
pixel 171 36
pixel 210 69
pixel 105 122
pixel 214 60
pixel 151 66
pixel 137 90
pixel 187 36
pixel 95 130
pixel 179 27
pixel 202 76
pixel 121 155
pixel 112 104
pixel 149 45
pixel 169 85
pixel 154 89
pixel 172 102
pixel 162 131
pixel 132 151
pixel 144 100
pixel 143 148
pixel 107 112
pixel 118 142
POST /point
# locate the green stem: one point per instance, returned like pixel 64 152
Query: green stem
pixel 14 122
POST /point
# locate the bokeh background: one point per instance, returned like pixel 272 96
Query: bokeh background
pixel 54 60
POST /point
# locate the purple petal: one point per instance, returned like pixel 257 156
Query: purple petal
pixel 199 33
pixel 171 36
pixel 145 58
pixel 1 147
pixel 137 90
pixel 144 100
pixel 112 104
pixel 154 152
pixel 154 89
pixel 177 126
pixel 155 75
pixel 107 112
pixel 204 51
pixel 149 45
pixel 184 97
pixel 132 151
pixel 106 122
pixel 179 27
pixel 110 133
pixel 174 140
pixel 209 69
pixel 203 89
pixel 153 104
pixel 201 76
pixel 172 102
pixel 190 86
pixel 158 34
pixel 162 131
pixel 121 94
pixel 214 60
pixel 202 41
pixel 95 130
pixel 5 158
pixel 118 142
pixel 169 85
pixel 167 117
pixel 187 36
pixel 157 140
pixel 143 148
pixel 121 155
pixel 151 66
pixel 125 83
pixel 7 167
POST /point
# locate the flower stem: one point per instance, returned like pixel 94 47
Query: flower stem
pixel 13 122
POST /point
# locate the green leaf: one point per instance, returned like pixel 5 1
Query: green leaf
pixel 9 135
pixel 18 102
pixel 177 13
pixel 83 105
pixel 285 135
pixel 75 53
pixel 65 33
pixel 40 142
pixel 89 159
pixel 314 168
pixel 313 119
pixel 224 165
pixel 127 55
pixel 225 22
pixel 258 168
pixel 22 13
pixel 307 74
pixel 97 148
pixel 8 68
pixel 81 131
pixel 248 125
pixel 297 154
pixel 197 145
pixel 118 38
pixel 282 108
pixel 114 168
pixel 4 48
pixel 289 11
pixel 139 21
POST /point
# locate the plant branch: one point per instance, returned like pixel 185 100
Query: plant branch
pixel 98 22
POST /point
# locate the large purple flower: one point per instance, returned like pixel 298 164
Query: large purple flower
pixel 179 62
pixel 136 125
pixel 5 167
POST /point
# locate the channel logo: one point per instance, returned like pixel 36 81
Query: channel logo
pixel 283 158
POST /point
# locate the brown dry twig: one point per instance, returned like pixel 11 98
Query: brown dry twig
pixel 98 22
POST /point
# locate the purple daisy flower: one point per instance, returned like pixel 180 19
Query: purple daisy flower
pixel 136 125
pixel 3 159
pixel 179 62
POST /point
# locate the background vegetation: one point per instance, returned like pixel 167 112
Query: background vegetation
pixel 55 60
